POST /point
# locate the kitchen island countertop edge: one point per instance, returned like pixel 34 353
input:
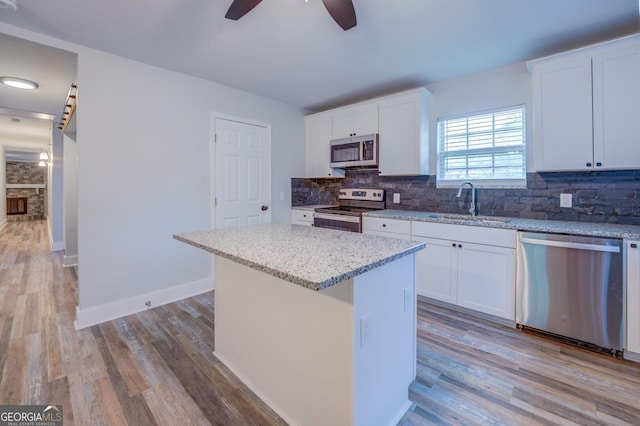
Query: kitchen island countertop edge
pixel 311 257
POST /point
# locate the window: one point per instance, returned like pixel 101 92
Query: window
pixel 487 148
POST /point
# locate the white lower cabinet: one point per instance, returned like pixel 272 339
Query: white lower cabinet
pixel 436 270
pixel 633 297
pixel 387 227
pixel 486 279
pixel 476 271
pixel 301 217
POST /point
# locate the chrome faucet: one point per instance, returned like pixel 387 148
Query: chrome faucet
pixel 473 208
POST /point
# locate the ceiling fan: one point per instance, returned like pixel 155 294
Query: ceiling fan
pixel 341 11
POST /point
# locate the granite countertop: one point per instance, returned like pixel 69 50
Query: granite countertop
pixel 606 230
pixel 312 207
pixel 314 258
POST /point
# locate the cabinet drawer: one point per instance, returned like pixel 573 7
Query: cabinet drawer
pixel 301 216
pixel 386 225
pixel 470 234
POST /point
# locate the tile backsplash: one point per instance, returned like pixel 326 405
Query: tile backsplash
pixel 612 197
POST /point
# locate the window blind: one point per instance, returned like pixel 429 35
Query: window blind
pixel 487 146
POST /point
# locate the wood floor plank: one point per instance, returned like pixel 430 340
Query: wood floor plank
pixel 134 407
pixel 123 359
pixel 102 403
pixel 14 372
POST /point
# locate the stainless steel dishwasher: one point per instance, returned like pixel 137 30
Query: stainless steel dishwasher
pixel 571 286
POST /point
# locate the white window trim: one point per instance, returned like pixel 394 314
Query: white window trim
pixel 485 183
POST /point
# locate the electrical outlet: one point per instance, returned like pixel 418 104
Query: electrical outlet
pixel 364 329
pixel 566 200
pixel 408 299
pixel 396 198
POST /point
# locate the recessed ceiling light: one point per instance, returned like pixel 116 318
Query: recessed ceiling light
pixel 19 83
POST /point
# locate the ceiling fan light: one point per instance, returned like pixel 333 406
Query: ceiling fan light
pixel 41 163
pixel 44 156
pixel 19 83
pixel 13 4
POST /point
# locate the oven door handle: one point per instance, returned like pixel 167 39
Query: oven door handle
pixel 340 217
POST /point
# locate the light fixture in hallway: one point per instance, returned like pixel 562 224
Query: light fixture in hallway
pixel 19 83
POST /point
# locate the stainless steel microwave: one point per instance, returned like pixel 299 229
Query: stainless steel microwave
pixel 355 151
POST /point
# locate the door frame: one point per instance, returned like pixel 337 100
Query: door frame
pixel 212 157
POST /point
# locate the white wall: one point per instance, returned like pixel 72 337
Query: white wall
pixel 70 200
pixel 496 88
pixel 143 174
pixel 3 182
pixel 54 192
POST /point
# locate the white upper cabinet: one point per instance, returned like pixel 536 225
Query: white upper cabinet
pixel 318 135
pixel 404 133
pixel 353 121
pixel 401 120
pixel 616 108
pixel 562 115
pixel 586 105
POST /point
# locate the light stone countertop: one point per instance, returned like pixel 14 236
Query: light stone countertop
pixel 605 230
pixel 314 258
pixel 312 207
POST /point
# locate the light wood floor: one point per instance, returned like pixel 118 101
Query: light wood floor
pixel 157 367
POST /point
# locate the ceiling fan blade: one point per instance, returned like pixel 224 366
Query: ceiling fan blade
pixel 342 12
pixel 239 8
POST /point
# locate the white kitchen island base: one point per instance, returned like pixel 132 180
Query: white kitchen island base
pixel 344 355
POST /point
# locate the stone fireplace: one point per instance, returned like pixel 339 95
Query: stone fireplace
pixel 25 191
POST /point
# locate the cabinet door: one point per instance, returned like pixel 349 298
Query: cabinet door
pixel 487 279
pixel 616 108
pixel 403 124
pixel 633 296
pixel 436 270
pixel 301 217
pixel 562 115
pixel 318 135
pixel 357 120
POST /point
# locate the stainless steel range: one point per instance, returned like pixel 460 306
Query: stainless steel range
pixel 348 215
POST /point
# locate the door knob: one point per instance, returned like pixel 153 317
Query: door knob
pixel 264 208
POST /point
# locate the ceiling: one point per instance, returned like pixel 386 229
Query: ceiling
pixel 292 51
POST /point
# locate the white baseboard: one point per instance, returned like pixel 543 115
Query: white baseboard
pixel 55 245
pixel 70 261
pixel 110 311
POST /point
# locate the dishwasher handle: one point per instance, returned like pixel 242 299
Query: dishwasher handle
pixel 566 244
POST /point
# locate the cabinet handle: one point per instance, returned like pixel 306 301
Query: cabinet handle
pixel 384 225
pixel 598 164
pixel 588 164
pixel 304 215
pixel 634 245
pixel 454 245
pixel 459 245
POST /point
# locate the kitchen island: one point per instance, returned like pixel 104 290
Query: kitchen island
pixel 320 324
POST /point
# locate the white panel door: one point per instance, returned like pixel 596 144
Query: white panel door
pixel 242 174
